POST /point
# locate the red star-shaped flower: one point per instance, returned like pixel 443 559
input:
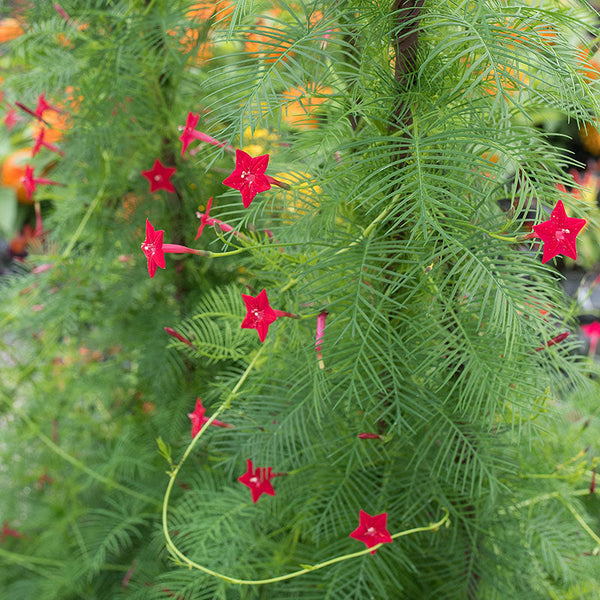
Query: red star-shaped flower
pixel 259 314
pixel 11 119
pixel 43 480
pixel 198 419
pixel 152 247
pixel 159 177
pixel 30 182
pixel 40 141
pixel 190 134
pixel 259 480
pixel 155 250
pixel 205 219
pixel 249 176
pixel 43 106
pixel 8 532
pixel 372 530
pixel 189 131
pixel 592 331
pixel 559 233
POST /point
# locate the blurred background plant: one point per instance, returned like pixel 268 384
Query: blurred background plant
pixel 409 137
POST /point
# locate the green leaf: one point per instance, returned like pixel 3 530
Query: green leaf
pixel 164 449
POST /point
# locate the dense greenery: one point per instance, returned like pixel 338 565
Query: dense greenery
pixel 411 145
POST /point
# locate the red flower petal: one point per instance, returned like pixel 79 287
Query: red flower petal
pixel 592 330
pixel 159 177
pixel 559 233
pixel 187 137
pixel 205 219
pixel 372 530
pixel 198 419
pixel 258 480
pixel 152 248
pixel 259 314
pixel 249 176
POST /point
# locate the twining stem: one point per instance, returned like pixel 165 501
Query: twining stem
pixel 542 498
pixel 31 562
pixel 77 463
pixel 173 474
pixel 238 250
pixel 384 213
pixel 83 467
pixel 559 496
pixel 291 283
pixel 25 560
pixel 405 40
pixel 369 229
pixel 306 569
pixel 580 520
pixel 91 207
pixel 504 238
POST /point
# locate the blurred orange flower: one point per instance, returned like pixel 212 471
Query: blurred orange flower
pixel 189 42
pixel 203 11
pixel 521 32
pixel 59 124
pixel 10 29
pixel 266 42
pixel 509 80
pixel 590 138
pixel 13 169
pixel 589 66
pixel 302 105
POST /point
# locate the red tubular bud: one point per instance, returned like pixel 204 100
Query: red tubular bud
pixel 61 11
pixel 555 340
pixel 179 337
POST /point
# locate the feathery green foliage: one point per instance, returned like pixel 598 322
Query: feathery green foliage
pixel 406 134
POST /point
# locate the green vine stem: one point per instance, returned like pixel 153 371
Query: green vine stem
pixel 542 498
pixel 249 248
pixel 445 520
pixel 83 467
pixel 91 208
pixel 29 562
pixel 32 562
pixel 580 520
pixel 558 496
pixel 369 229
pixel 521 237
pixel 238 250
pixel 77 463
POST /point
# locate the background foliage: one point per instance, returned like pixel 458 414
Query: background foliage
pixel 408 132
